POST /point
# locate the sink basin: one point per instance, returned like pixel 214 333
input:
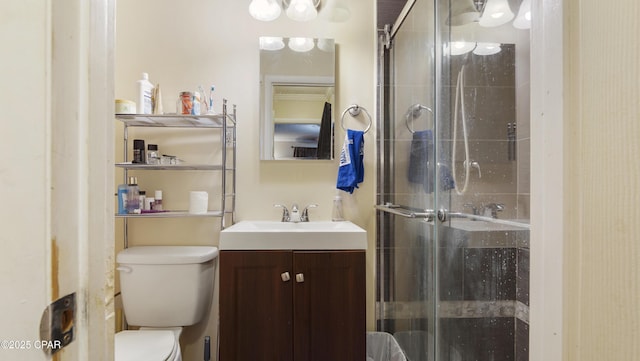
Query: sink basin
pixel 267 235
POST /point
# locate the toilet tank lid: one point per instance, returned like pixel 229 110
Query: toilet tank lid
pixel 167 254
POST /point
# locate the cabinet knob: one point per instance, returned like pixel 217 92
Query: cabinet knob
pixel 285 276
pixel 300 277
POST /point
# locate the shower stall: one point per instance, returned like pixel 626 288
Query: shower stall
pixel 453 181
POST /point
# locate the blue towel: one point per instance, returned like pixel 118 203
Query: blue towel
pixel 420 169
pixel 351 170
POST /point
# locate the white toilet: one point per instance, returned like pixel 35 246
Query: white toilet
pixel 163 288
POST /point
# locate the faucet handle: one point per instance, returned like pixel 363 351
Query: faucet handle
pixel 492 209
pixel 474 209
pixel 285 212
pixel 305 212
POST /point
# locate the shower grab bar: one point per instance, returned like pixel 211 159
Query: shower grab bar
pixel 427 214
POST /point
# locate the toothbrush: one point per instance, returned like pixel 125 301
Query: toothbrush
pixel 211 99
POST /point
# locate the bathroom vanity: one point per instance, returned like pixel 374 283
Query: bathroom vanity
pixel 282 303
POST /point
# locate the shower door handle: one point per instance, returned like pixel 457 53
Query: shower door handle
pixel 427 214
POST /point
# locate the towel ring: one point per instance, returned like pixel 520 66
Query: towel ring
pixel 354 110
pixel 414 112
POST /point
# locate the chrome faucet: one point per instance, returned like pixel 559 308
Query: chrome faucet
pixel 304 217
pixel 285 212
pixel 474 209
pixel 492 209
pixel 295 215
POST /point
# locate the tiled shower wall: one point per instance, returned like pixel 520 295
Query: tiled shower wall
pixel 496 97
pixel 484 297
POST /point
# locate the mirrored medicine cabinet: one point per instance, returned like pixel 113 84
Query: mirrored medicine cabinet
pixel 297 92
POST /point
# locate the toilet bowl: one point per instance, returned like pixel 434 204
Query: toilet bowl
pixel 149 345
pixel 163 289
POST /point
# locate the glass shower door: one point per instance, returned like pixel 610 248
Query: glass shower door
pixel 453 193
pixel 406 300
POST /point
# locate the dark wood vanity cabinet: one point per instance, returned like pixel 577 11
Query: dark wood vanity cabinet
pixel 292 305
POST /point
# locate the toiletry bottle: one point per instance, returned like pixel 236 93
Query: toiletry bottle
pixel 157 204
pixel 133 196
pixel 122 199
pixel 337 214
pixel 145 95
pixel 196 105
pixel 152 154
pixel 143 198
pixel 138 151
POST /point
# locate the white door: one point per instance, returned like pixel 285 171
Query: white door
pixel 56 178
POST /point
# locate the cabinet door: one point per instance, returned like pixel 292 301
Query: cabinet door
pixel 329 306
pixel 255 306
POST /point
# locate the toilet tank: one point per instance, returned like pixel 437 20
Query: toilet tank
pixel 165 286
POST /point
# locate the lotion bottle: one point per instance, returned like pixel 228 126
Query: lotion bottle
pixel 145 95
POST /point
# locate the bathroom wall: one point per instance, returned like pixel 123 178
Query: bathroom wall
pixel 189 43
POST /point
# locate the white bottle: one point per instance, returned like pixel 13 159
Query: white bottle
pixel 145 95
pixel 157 203
pixel 337 214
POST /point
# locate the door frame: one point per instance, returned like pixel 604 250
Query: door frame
pixel 81 170
pixel 547 276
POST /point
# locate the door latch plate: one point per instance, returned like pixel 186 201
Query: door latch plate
pixel 57 324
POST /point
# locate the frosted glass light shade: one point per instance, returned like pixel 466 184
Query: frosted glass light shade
pixel 463 12
pixel 523 20
pixel 264 10
pixel 302 10
pixel 487 48
pixel 460 47
pixel 271 43
pixel 327 45
pixel 336 11
pixel 496 13
pixel 301 44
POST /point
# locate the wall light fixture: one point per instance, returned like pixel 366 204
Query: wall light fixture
pixel 298 10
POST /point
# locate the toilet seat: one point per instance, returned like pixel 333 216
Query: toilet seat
pixel 151 345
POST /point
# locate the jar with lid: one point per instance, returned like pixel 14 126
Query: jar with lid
pixel 185 103
pixel 152 154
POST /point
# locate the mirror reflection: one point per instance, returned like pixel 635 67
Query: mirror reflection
pixel 297 91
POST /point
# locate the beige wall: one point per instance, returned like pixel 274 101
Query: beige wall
pixel 182 44
pixel 602 183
